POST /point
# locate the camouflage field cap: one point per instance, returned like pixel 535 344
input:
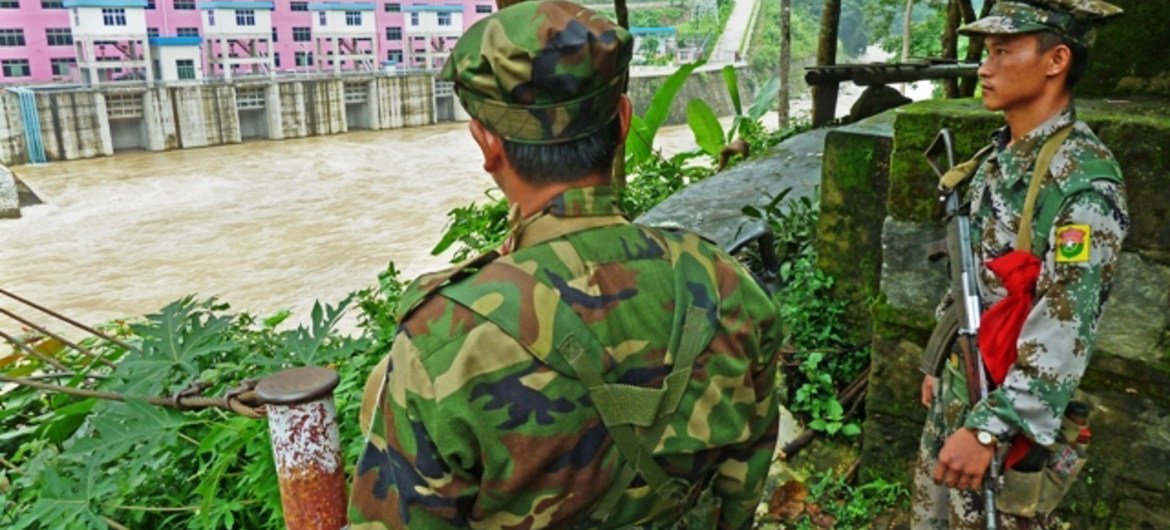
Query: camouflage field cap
pixel 541 72
pixel 1074 19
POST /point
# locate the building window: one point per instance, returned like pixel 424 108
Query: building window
pixel 113 16
pixel 444 19
pixel 276 60
pixel 187 32
pixel 185 5
pixel 9 4
pixel 186 68
pixel 275 36
pixel 483 8
pixel 353 18
pixel 151 32
pixel 150 4
pixel 62 65
pixel 414 19
pixel 393 33
pixel 59 36
pixel 394 55
pixel 211 18
pixel 321 18
pixel 52 4
pixel 12 37
pixel 393 8
pixel 302 35
pixel 300 6
pixel 304 58
pixel 15 67
pixel 245 17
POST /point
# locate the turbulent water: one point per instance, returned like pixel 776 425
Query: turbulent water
pixel 264 225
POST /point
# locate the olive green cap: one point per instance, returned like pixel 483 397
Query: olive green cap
pixel 541 72
pixel 1074 19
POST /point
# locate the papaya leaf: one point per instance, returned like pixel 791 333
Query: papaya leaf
pixel 708 132
pixel 176 343
pixel 67 502
pixel 135 426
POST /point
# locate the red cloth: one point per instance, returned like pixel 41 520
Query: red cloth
pixel 1000 326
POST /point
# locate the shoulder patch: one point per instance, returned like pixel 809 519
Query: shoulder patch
pixel 1073 243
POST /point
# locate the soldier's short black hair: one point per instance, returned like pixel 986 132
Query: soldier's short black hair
pixel 1047 40
pixel 568 161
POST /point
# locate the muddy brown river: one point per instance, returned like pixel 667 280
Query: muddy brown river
pixel 264 225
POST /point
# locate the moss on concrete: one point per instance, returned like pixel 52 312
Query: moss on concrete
pixel 1130 56
pixel 853 196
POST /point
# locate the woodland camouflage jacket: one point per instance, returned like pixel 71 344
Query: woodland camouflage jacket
pixel 477 421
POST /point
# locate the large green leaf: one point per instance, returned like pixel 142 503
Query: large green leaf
pixel 765 98
pixel 663 98
pixel 137 426
pixel 638 141
pixel 730 79
pixel 708 132
pixel 68 502
pixel 176 344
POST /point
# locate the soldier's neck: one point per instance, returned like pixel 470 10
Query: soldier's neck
pixel 1027 118
pixel 533 199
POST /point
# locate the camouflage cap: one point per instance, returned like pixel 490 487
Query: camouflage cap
pixel 1074 19
pixel 541 72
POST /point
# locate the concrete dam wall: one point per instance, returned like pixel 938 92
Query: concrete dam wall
pixel 77 123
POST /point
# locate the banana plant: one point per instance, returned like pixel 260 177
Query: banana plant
pixel 709 133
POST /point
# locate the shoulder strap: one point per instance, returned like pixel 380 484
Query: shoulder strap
pixel 1043 161
pixel 423 286
pixel 962 172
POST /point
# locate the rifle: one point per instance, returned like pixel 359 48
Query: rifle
pixel 963 282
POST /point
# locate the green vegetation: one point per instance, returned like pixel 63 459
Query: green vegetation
pixel 83 463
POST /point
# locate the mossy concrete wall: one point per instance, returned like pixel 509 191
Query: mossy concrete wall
pixel 1130 369
pixel 853 204
pixel 1130 56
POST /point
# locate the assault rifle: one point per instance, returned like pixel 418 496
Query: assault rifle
pixel 963 314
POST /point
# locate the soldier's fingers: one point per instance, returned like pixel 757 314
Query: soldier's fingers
pixel 939 471
pixel 952 477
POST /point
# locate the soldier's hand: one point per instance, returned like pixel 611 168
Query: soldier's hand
pixel 963 461
pixel 928 383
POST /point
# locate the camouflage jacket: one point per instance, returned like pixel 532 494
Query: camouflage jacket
pixel 1083 200
pixel 469 425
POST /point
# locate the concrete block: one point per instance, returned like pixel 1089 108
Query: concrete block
pixel 9 196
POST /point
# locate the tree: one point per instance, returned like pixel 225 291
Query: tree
pixel 825 97
pixel 785 61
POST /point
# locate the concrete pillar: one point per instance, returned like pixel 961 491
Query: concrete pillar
pixel 191 128
pixel 372 100
pixel 102 124
pixel 273 107
pixel 159 120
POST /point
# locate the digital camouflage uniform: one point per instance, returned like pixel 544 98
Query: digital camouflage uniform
pixel 485 413
pixel 1080 223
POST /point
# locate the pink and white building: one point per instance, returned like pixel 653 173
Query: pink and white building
pixel 37 40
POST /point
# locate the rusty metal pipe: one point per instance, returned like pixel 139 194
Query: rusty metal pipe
pixel 302 423
pixel 66 319
pixel 59 338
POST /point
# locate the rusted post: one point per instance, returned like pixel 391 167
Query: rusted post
pixel 302 424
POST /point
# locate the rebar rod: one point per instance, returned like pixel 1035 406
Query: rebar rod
pixel 66 319
pixel 59 338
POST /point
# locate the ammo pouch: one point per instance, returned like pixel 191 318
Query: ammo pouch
pixel 1032 493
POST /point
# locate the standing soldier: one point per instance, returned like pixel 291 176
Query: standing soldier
pixel 1037 49
pixel 592 373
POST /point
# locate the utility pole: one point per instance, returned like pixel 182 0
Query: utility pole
pixel 906 31
pixel 825 97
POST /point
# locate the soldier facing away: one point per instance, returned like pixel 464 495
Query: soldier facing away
pixel 592 373
pixel 1037 49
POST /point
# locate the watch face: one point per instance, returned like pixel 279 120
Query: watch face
pixel 984 437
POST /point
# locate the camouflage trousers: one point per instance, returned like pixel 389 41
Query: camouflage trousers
pixel 937 507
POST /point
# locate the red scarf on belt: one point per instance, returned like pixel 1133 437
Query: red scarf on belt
pixel 1000 326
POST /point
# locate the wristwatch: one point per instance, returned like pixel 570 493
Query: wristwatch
pixel 985 438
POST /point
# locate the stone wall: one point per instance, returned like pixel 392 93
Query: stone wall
pixel 1131 365
pixel 13 148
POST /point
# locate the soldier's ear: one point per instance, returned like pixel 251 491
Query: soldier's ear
pixel 625 110
pixel 490 144
pixel 1058 60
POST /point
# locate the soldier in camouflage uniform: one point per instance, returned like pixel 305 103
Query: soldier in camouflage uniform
pixel 592 373
pixel 1036 51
